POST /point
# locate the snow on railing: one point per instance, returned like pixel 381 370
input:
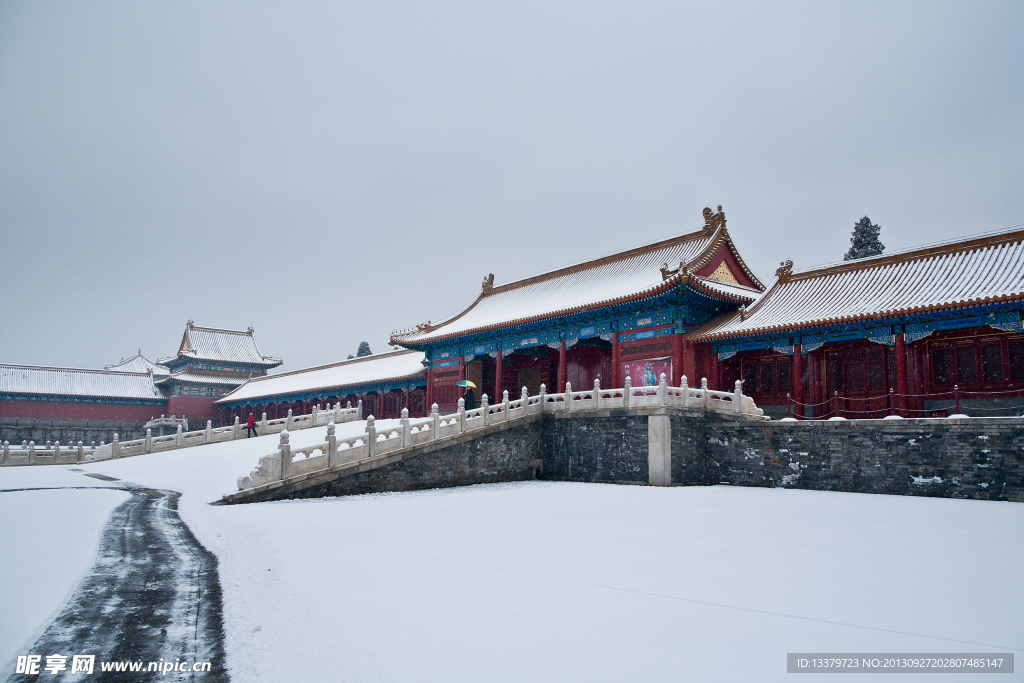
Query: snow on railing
pixel 286 463
pixel 30 454
pixel 27 453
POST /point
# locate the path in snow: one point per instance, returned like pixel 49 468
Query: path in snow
pixel 153 593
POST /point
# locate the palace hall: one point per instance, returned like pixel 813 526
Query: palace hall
pixel 921 332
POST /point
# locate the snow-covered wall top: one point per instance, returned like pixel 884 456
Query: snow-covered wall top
pixel 381 367
pixel 25 379
pixel 987 269
pixel 613 279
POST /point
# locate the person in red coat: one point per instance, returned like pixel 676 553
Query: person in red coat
pixel 251 424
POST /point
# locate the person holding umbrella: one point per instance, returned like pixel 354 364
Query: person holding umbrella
pixel 470 397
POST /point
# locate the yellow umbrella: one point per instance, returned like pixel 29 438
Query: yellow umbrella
pixel 465 383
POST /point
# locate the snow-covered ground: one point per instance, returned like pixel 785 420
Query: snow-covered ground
pixel 49 540
pixel 559 581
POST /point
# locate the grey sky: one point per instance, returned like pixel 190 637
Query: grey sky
pixel 327 172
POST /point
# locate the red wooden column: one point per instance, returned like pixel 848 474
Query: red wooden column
pixel 430 388
pixel 690 363
pixel 405 397
pixel 617 363
pixel 677 359
pixel 901 374
pixel 497 377
pixel 713 379
pixel 561 367
pixel 798 379
pixel 462 376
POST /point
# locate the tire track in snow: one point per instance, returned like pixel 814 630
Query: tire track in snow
pixel 153 593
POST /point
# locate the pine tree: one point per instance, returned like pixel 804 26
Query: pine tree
pixel 864 241
pixel 364 350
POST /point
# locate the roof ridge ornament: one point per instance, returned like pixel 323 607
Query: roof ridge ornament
pixel 425 327
pixel 785 271
pixel 488 284
pixel 713 220
pixel 666 273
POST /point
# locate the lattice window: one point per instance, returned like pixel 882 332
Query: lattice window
pixel 834 373
pixel 876 367
pixel 966 364
pixel 783 376
pixel 750 377
pixel 767 378
pixel 1016 351
pixel 942 369
pixel 992 362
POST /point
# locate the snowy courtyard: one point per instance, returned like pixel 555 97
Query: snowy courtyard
pixel 540 580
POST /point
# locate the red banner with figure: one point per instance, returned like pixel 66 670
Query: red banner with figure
pixel 647 372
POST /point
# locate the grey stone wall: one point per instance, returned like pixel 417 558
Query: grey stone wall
pixel 975 458
pixel 610 446
pixel 42 430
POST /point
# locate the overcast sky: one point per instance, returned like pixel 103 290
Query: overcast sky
pixel 327 172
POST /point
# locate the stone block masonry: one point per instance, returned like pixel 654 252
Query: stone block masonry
pixel 969 458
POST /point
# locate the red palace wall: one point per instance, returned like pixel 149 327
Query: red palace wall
pixel 79 411
pixel 194 408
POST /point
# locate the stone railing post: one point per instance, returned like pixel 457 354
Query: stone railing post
pixel 686 393
pixel 504 401
pixel 568 397
pixel 56 452
pixel 288 421
pixel 525 396
pixel 371 437
pixel 208 433
pixel 81 451
pixel 149 440
pixel 263 424
pixel 332 446
pixel 662 391
pixel 486 406
pixel 597 394
pixel 115 447
pixel 286 456
pixel 737 397
pixel 543 397
pixel 704 392
pixel 435 422
pixel 462 414
pixel 405 427
pixel 627 391
pixel 179 438
pixel 337 412
pixel 314 415
pixel 236 428
pixel 32 451
pixel 359 409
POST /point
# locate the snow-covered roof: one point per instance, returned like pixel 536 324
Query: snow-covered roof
pixel 139 363
pixel 206 343
pixel 383 367
pixel 984 269
pixel 203 378
pixel 31 379
pixel 617 278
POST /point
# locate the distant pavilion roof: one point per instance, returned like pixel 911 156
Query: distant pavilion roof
pixel 139 363
pixel 956 274
pixel 204 343
pixel 618 278
pixel 37 380
pixel 383 367
pixel 197 377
